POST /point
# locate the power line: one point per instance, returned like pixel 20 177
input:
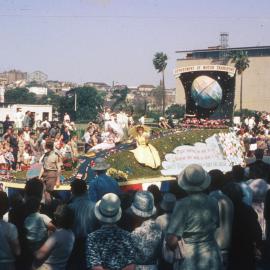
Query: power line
pixel 136 17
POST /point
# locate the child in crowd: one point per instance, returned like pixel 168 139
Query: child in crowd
pixel 36 225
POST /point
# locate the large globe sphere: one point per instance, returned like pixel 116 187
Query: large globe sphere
pixel 206 92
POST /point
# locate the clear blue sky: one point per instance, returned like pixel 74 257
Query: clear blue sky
pixel 106 40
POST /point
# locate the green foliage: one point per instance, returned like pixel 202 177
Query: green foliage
pixel 89 103
pixel 177 110
pixel 241 61
pixel 245 113
pixel 21 96
pixel 157 93
pixel 153 114
pixel 52 99
pixel 160 61
pixel 125 161
pixel 120 97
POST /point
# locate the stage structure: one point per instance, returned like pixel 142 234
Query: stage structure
pixel 209 90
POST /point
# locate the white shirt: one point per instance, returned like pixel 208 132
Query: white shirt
pixel 141 120
pixel 66 118
pixel 45 124
pixel 36 227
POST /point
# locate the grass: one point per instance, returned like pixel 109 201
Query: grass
pixel 126 162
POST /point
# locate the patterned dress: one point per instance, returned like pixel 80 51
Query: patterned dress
pixel 110 247
pixel 148 240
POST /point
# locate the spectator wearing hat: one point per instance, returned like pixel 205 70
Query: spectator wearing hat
pixel 9 247
pixel 195 220
pixel 110 247
pixel 102 183
pixel 84 222
pixel 167 204
pixel 147 233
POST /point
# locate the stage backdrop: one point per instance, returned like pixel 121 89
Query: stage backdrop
pixel 209 90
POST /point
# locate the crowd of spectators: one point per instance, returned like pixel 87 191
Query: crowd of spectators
pixel 203 221
pixel 24 143
pixel 255 133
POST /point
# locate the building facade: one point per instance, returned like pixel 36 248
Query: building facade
pixel 37 76
pixel 256 79
pixel 8 77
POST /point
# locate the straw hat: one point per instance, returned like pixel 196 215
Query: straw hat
pixel 168 202
pixel 194 178
pixel 108 209
pixel 101 165
pixel 133 132
pixel 143 204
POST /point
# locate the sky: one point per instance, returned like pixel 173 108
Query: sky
pixel 115 40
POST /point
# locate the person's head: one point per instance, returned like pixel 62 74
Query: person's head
pixel 238 173
pixel 78 187
pixel 26 129
pixel 100 166
pixel 234 192
pixel 108 209
pixel 156 193
pixel 217 180
pixel 20 133
pixel 34 188
pixel 74 138
pixel 140 130
pixel 168 202
pixel 15 200
pixel 32 205
pixel 32 135
pixel 194 179
pixel 7 117
pixel 63 217
pixel 4 204
pixel 259 154
pixel 49 146
pixel 143 205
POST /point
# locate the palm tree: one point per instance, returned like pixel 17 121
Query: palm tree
pixel 160 63
pixel 241 63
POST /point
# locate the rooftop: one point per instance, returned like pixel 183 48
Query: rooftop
pixel 218 52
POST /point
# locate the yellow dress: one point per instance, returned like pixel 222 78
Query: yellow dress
pixel 146 153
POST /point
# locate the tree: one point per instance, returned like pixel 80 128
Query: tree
pixel 157 94
pixel 241 63
pixel 120 97
pixel 160 63
pixel 20 96
pixel 89 103
pixel 177 110
pixel 51 98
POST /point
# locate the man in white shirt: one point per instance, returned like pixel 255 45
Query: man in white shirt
pixel 45 123
pixel 19 116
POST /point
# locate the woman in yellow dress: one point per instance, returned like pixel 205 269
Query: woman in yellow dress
pixel 145 153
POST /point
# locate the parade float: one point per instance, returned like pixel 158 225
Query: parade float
pixel 217 149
